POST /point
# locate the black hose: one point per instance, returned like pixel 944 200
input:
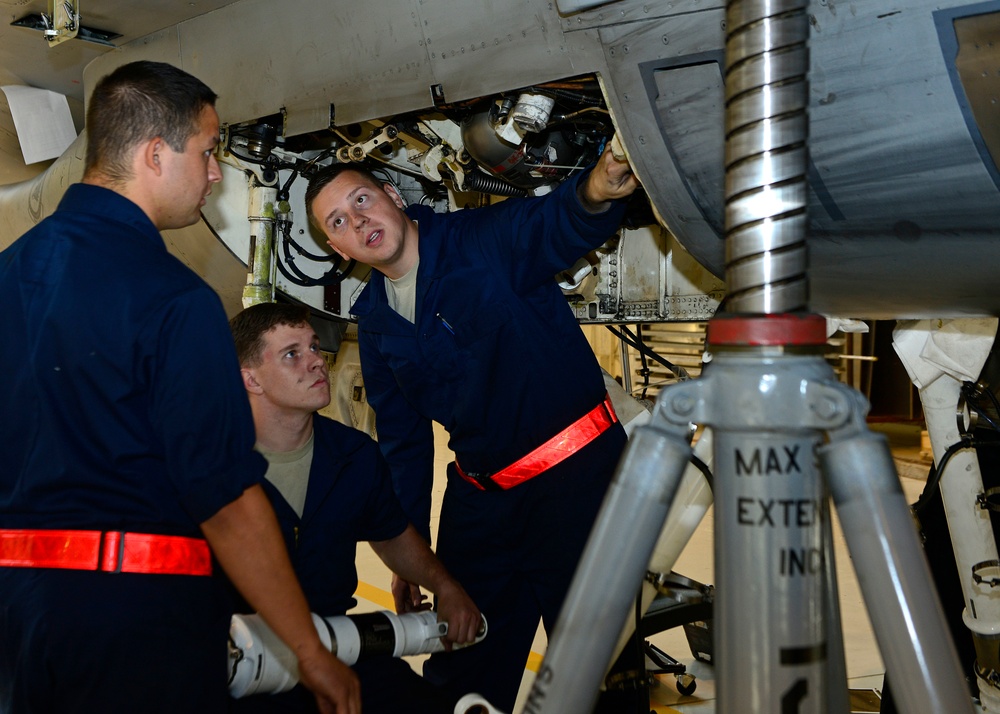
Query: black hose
pixel 937 472
pixel 315 257
pixel 478 181
pixel 628 338
pixel 705 471
pixel 971 392
pixel 288 269
pixel 644 372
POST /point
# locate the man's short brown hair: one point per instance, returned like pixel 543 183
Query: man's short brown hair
pixel 322 178
pixel 137 102
pixel 250 326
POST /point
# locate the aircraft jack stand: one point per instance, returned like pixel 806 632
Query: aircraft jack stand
pixel 787 437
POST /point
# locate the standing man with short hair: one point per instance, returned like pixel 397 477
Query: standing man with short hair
pixel 330 489
pixel 127 437
pixel 462 323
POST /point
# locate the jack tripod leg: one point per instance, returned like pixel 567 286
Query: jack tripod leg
pixel 602 593
pixel 687 510
pixel 839 700
pixel 895 580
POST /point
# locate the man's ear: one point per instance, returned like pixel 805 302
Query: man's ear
pixel 394 195
pixel 338 251
pixel 250 381
pixel 152 152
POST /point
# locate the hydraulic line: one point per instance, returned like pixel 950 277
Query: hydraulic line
pixel 288 269
pixel 629 338
pixel 478 181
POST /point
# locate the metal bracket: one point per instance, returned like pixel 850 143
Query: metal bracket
pixel 359 152
pixel 65 21
pixel 991 580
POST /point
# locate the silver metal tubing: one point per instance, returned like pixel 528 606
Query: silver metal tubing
pixel 607 578
pixel 895 580
pixel 775 608
pixel 837 695
pixel 766 189
pixel 690 504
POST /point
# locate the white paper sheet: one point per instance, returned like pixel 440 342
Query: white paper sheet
pixel 43 122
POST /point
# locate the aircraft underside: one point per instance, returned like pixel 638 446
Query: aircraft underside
pixel 903 208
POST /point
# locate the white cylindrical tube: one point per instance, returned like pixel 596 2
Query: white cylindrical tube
pixel 262 663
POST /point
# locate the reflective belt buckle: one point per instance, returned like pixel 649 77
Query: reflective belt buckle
pixel 486 482
pixel 111 551
pixel 609 407
pixel 482 481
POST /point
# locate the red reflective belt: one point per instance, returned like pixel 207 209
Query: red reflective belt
pixel 559 447
pixel 109 551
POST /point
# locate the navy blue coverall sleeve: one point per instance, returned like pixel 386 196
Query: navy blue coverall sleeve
pixel 535 238
pixel 406 438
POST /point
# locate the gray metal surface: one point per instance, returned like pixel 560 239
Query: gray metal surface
pixel 330 65
pixel 770 576
pixel 774 608
pixel 26 54
pixel 903 206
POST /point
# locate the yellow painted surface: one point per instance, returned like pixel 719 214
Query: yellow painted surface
pixel 375 595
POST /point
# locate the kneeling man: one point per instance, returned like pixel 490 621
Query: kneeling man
pixel 330 489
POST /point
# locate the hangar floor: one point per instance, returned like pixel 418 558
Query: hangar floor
pixel 864 663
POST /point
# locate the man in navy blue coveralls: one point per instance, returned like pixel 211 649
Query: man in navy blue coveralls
pixel 483 343
pixel 330 489
pixel 127 437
